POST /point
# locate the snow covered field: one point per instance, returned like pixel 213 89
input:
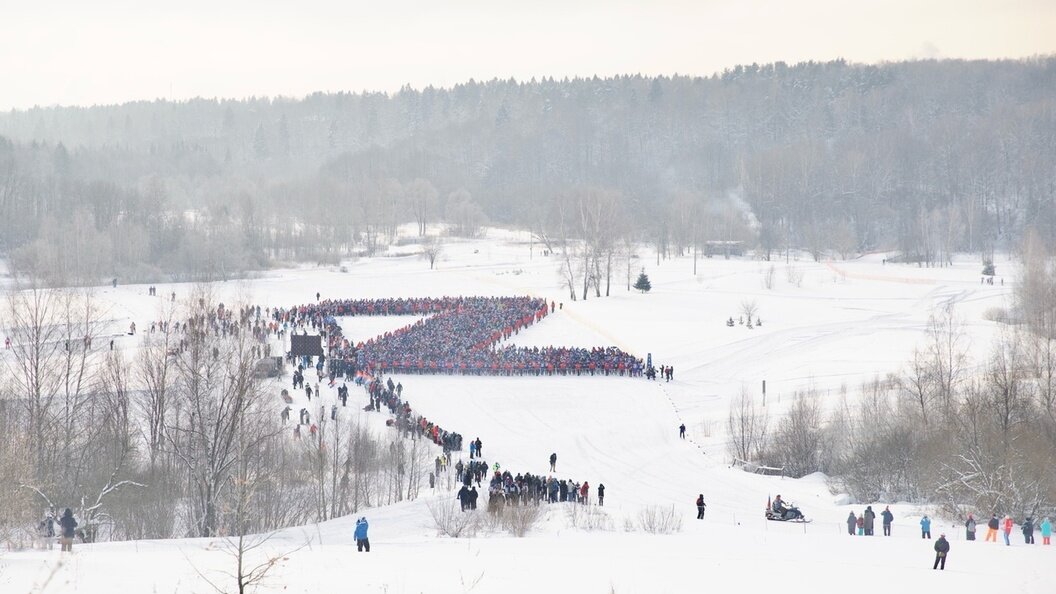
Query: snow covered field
pixel 843 323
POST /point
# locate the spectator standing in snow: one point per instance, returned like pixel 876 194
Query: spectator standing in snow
pixel 1028 531
pixel 682 431
pixel 991 529
pixel 969 528
pixel 852 522
pixel 870 520
pixel 1006 529
pixel 601 503
pixel 888 518
pixel 700 506
pixel 942 547
pixel 480 448
pixel 553 462
pixel 47 530
pixel 69 529
pixel 861 525
pixel 1046 531
pixel 925 527
pixel 362 542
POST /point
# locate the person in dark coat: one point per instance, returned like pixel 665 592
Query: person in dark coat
pixel 553 462
pixel 991 528
pixel 601 495
pixel 362 542
pixel 700 506
pixel 942 547
pixel 852 523
pixel 682 431
pixel 473 497
pixel 69 529
pixel 969 528
pixel 888 517
pixel 1028 531
pixel 464 497
pixel 870 519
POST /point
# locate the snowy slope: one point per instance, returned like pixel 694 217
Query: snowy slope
pixel 846 322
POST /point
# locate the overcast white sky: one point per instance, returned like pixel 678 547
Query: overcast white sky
pixel 105 51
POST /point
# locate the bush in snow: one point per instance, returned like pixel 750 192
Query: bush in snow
pixel 657 519
pixel 588 517
pixel 450 520
pixel 519 520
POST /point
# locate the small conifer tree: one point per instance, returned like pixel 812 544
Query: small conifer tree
pixel 643 284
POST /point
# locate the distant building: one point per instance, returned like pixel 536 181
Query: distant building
pixel 723 248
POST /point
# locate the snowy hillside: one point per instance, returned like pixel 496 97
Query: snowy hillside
pixel 825 326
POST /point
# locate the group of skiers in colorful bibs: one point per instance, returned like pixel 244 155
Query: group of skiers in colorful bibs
pixel 460 336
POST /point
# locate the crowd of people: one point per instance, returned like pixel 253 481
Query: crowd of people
pixel 503 487
pixel 1005 526
pixel 459 336
pixel 863 525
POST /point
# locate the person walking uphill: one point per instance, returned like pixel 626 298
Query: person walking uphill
pixel 682 431
pixel 991 529
pixel 362 542
pixel 925 527
pixel 942 547
pixel 700 506
pixel 69 529
pixel 888 518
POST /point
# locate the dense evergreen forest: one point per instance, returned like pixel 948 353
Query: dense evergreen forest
pixel 927 157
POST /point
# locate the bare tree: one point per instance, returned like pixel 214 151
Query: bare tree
pixel 917 384
pixel 948 348
pixel 154 371
pixel 746 427
pixel 432 249
pixel 797 444
pixel 422 198
pixel 217 389
pixel 750 309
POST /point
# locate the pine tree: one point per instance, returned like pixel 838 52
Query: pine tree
pixel 643 284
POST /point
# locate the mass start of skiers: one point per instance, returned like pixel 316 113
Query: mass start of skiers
pixel 461 336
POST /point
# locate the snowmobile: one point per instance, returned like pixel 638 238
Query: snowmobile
pixel 791 514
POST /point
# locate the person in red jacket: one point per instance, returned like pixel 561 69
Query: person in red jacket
pixel 1006 529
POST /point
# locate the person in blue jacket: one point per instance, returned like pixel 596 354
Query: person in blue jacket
pixel 888 518
pixel 362 542
pixel 925 527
